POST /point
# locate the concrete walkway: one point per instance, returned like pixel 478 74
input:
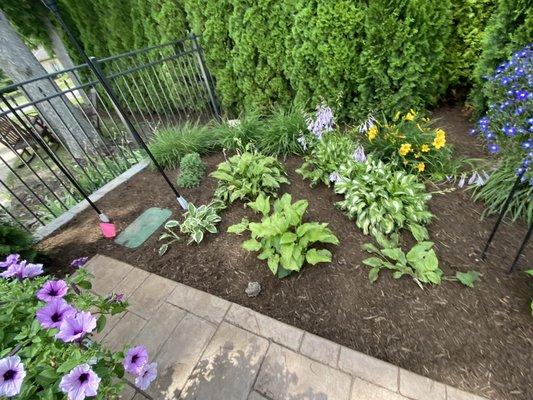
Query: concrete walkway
pixel 210 349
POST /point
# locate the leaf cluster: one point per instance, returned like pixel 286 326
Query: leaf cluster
pixel 191 171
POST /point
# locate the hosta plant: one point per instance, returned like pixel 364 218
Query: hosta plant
pixel 248 174
pixel 282 238
pixel 191 171
pixel 325 157
pixel 420 262
pixel 383 200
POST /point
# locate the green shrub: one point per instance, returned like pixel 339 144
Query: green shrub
pixel 169 145
pixel 282 238
pixel 246 175
pixel 191 171
pixel 280 132
pixel 383 200
pixel 235 134
pixel 326 157
pixel 15 240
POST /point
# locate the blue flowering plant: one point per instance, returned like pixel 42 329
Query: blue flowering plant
pixel 507 127
pixel 46 350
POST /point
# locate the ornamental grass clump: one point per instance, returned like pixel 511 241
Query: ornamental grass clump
pixel 46 351
pixel 410 142
pixel 191 171
pixel 383 200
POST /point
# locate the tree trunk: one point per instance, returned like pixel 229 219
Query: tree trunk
pixel 19 64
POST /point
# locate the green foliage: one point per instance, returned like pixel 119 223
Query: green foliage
pixel 246 175
pixel 199 220
pixel 281 237
pixel 169 236
pixel 15 240
pixel 420 262
pixel 495 191
pixel 235 134
pixel 191 171
pixel 326 157
pixel 467 278
pixel 382 200
pixel 530 272
pixel 27 17
pixel 46 360
pixel 169 145
pixel 509 29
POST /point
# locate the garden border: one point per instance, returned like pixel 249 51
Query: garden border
pixel 46 230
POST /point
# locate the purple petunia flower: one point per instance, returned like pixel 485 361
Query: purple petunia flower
pixel 115 298
pixel 74 328
pixel 79 262
pixel 23 270
pixel 54 312
pixel 12 374
pixel 135 360
pixel 80 382
pixel 493 148
pixel 146 376
pixel 10 260
pixel 52 290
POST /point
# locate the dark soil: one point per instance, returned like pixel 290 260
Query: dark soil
pixel 477 339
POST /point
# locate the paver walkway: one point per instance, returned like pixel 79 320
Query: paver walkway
pixel 210 349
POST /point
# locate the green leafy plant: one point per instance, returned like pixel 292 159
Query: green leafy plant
pixel 326 156
pixel 281 236
pixel 169 235
pixel 530 272
pixel 467 278
pixel 246 175
pixel 420 262
pixel 383 200
pixel 191 171
pixel 15 240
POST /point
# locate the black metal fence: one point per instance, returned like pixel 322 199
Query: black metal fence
pixel 68 113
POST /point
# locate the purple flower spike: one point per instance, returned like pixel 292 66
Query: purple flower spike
pixel 359 154
pixel 10 260
pixel 54 312
pixel 79 262
pixel 52 290
pixel 80 382
pixel 74 328
pixel 146 376
pixel 22 271
pixel 135 360
pixel 12 374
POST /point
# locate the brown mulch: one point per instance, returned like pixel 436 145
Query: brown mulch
pixel 477 339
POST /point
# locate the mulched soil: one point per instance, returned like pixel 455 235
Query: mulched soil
pixel 477 339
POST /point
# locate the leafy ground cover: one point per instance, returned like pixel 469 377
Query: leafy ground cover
pixel 473 338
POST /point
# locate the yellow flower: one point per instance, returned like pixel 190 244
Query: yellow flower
pixel 421 167
pixel 440 133
pixel 404 149
pixel 397 116
pixel 417 155
pixel 410 115
pixel 372 132
pixel 425 148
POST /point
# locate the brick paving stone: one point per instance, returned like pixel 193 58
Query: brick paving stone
pixel 363 390
pixel 131 282
pixel 228 367
pixel 267 327
pixel 124 331
pixel 179 355
pixel 320 349
pixel 156 332
pixel 456 394
pixel 111 321
pixel 200 303
pixel 256 396
pixel 419 387
pixel 369 368
pixel 150 295
pixel 107 273
pixel 287 375
pixel 128 393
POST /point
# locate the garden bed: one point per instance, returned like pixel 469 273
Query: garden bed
pixel 478 339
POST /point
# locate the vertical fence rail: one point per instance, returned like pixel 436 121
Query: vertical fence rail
pixel 56 128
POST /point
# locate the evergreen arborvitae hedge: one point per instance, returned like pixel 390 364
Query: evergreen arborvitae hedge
pixel 509 29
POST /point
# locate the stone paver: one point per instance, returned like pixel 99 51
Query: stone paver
pixel 267 327
pixel 320 349
pixel 128 393
pixel 363 390
pixel 156 332
pixel 228 367
pixel 149 296
pixel 286 375
pixel 200 303
pixel 107 273
pixel 369 368
pixel 179 355
pixel 124 331
pixel 210 349
pixel 419 387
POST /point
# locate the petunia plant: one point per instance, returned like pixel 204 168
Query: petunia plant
pixel 46 350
